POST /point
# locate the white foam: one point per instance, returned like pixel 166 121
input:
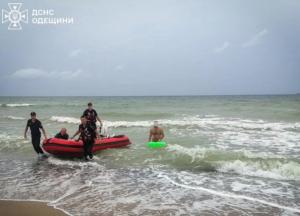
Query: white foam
pixel 18 105
pixel 255 135
pixel 209 116
pixel 73 163
pixel 208 123
pixel 15 140
pixel 198 152
pixel 69 192
pixel 63 119
pixel 265 169
pixel 114 124
pixel 127 124
pixel 266 165
pixel 224 133
pixel 230 195
pixel 262 155
pixel 194 153
pixel 238 186
pixel 15 118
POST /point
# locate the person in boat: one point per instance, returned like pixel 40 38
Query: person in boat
pixel 156 133
pixel 88 135
pixel 62 134
pixel 92 116
pixel 35 128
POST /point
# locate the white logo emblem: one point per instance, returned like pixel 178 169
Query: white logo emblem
pixel 15 16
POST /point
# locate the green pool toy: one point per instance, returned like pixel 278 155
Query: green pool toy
pixel 160 144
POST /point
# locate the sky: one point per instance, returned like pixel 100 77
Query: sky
pixel 153 47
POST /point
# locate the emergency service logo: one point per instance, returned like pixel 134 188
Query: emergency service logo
pixel 15 16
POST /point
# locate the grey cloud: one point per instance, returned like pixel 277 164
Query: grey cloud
pixel 224 46
pixel 143 47
pixel 35 73
pixel 256 39
pixel 75 53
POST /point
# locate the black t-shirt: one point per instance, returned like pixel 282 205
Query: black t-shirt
pixel 87 133
pixel 35 127
pixel 90 115
pixel 60 136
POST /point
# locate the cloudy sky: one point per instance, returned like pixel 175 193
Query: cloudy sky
pixel 154 47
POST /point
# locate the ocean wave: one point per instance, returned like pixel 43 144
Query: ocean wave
pixel 212 153
pixel 240 162
pixel 17 105
pixel 240 137
pixel 4 137
pixel 63 119
pixel 15 118
pixel 266 169
pixel 197 121
pixel 222 134
pixel 13 143
pixel 113 124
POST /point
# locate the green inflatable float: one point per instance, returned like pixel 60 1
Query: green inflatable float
pixel 160 144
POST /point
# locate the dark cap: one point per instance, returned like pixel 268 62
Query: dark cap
pixel 90 104
pixel 33 114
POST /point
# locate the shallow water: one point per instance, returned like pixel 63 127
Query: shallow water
pixel 227 155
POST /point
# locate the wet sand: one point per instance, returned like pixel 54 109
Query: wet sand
pixel 28 208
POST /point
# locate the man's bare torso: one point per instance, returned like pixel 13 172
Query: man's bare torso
pixel 156 133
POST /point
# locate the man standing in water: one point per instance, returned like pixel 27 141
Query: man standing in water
pixel 92 116
pixel 156 133
pixel 88 135
pixel 35 126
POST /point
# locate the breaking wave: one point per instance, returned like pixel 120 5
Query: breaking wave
pixel 15 118
pixel 196 121
pixel 17 105
pixel 239 162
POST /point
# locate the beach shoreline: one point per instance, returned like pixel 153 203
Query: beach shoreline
pixel 28 208
pixel 225 156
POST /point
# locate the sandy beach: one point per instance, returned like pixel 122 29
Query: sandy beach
pixel 27 208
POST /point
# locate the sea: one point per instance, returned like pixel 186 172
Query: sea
pixel 226 155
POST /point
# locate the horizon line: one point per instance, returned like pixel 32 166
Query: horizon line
pixel 183 95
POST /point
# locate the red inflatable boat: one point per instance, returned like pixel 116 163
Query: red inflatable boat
pixel 72 148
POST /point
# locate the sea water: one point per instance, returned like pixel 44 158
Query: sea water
pixel 226 155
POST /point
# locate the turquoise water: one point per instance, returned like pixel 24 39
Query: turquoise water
pixel 227 155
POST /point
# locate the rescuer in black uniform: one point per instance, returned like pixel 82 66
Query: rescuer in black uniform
pixel 88 135
pixel 35 128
